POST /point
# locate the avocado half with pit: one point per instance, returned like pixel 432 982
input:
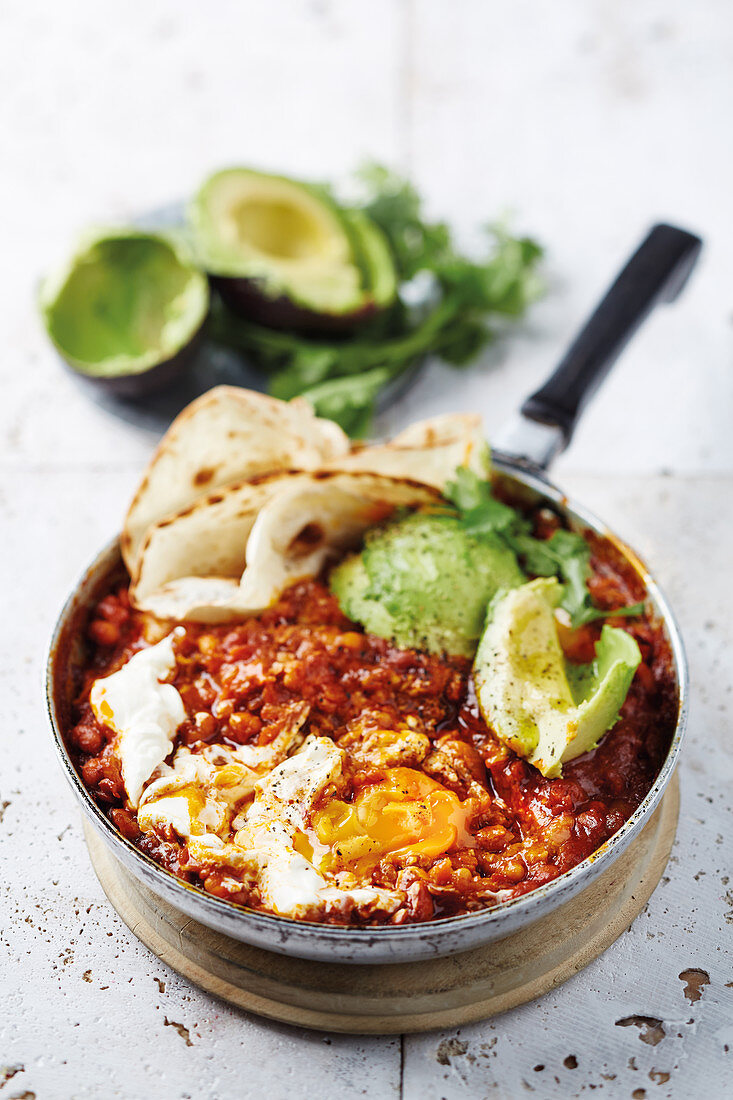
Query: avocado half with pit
pixel 283 254
pixel 126 310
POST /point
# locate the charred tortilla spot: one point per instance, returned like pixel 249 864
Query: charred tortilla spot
pixel 204 476
pixel 308 539
pixel 269 475
pixel 381 512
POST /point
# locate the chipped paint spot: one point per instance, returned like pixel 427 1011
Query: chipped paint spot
pixel 571 1062
pixel 450 1048
pixel 659 1076
pixel 87 975
pixel 729 901
pixel 180 1028
pixel 695 981
pixel 7 1073
pixel 651 1029
pixel 3 808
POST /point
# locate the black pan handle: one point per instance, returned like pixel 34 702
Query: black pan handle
pixel 656 272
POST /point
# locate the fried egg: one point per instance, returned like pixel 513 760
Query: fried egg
pixel 143 711
pixel 272 812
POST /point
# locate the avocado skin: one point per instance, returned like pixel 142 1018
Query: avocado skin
pixel 270 295
pixel 424 583
pixel 246 298
pixel 122 268
pixel 150 381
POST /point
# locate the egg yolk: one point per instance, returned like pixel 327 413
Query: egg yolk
pixel 408 813
pixel 104 714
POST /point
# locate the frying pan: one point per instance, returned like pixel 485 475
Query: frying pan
pixel 656 273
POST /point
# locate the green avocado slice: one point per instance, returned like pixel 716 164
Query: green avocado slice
pixel 546 709
pixel 424 583
pixel 281 240
pixel 126 301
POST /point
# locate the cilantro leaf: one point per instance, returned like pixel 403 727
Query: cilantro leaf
pixel 565 554
pixel 572 554
pixel 349 401
pixel 395 205
pixel 591 614
pixel 467 491
pixel 481 513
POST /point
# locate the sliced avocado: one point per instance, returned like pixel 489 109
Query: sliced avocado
pixel 280 252
pixel 424 583
pixel 546 709
pixel 126 308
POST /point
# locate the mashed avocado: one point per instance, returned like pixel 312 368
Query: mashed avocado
pixel 424 583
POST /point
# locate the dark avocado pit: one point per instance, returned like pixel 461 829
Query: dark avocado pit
pixel 126 310
pixel 281 253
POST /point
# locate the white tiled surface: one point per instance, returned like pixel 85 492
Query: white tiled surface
pixel 590 120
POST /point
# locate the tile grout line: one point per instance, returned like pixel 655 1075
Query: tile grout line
pixel 72 466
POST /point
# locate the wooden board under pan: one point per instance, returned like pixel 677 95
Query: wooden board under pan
pixel 400 997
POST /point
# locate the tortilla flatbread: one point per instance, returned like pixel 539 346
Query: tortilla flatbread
pixel 429 451
pixel 232 554
pixel 226 436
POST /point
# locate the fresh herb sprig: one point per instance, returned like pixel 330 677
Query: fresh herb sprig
pixel 565 554
pixel 343 377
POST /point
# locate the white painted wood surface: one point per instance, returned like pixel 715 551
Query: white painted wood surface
pixel 590 120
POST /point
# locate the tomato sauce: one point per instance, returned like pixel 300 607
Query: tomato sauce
pixel 238 681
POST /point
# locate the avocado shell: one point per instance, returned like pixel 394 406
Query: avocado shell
pixel 282 253
pixel 247 297
pixel 126 311
pixel 151 381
